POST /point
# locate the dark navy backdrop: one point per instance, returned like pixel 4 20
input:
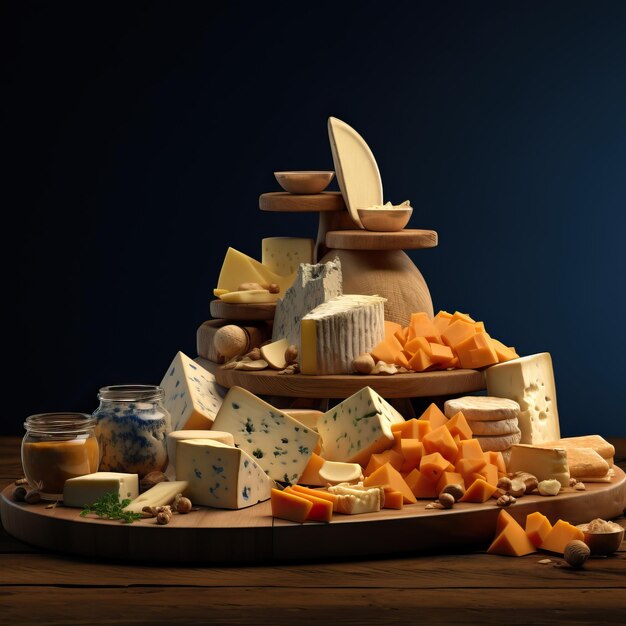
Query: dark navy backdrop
pixel 140 135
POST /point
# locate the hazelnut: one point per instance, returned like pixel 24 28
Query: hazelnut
pixel 273 288
pixel 32 497
pixel 456 491
pixel 19 494
pixel 182 504
pixel 576 553
pixel 163 518
pixel 572 482
pixel 254 354
pixel 446 500
pixel 291 354
pixel 363 364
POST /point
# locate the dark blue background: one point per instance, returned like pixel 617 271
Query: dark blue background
pixel 140 135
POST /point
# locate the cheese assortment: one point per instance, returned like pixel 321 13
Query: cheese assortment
pixel 334 333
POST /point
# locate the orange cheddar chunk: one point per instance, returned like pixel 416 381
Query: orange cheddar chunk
pixel 311 474
pixel 456 332
pixel 321 511
pixel 449 478
pixel 393 500
pixel 434 465
pixel 469 449
pixel 496 459
pixel 397 436
pixel 464 317
pixel 537 528
pixel 440 354
pixel 489 473
pixel 290 506
pixel 457 425
pixel 479 327
pixel 318 493
pixel 420 325
pixel 511 540
pixel 391 328
pixel 409 429
pixel 402 361
pixel 421 486
pixel 434 415
pixel 504 518
pixel 423 428
pixel 503 352
pixel 454 364
pixel 468 467
pixel 401 335
pixel 412 451
pixel 378 460
pixel 440 440
pixel 441 320
pixel 476 351
pixel 415 344
pixel 479 491
pixel 559 536
pixel 420 361
pixel 386 350
pixel 387 475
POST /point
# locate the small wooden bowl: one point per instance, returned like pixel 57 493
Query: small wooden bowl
pixel 385 220
pixel 603 543
pixel 304 182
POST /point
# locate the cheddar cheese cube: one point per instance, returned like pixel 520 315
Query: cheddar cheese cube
pixel 290 506
pixel 479 491
pixel 511 540
pixel 440 440
pixel 387 475
pixel 421 485
pixel 537 527
pixel 559 536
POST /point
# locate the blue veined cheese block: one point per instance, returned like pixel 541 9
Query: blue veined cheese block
pixel 280 444
pixel 219 475
pixel 191 395
pixel 358 427
pixel 132 437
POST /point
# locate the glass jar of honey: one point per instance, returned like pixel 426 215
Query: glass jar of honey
pixel 131 427
pixel 57 447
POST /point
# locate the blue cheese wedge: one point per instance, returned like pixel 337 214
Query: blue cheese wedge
pixel 221 476
pixel 280 444
pixel 85 490
pixel 191 395
pixel 314 285
pixel 357 427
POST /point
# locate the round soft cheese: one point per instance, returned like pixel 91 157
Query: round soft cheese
pixel 482 408
pixel 498 444
pixel 490 429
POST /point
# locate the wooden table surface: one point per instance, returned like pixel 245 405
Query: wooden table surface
pixel 38 587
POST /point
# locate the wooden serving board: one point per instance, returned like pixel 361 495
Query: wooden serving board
pixel 410 385
pixel 244 312
pixel 282 201
pixel 252 535
pixel 407 239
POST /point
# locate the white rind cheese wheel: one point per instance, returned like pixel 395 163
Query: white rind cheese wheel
pixel 482 408
pixel 498 444
pixel 497 428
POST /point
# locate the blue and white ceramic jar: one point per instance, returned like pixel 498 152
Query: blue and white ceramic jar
pixel 132 426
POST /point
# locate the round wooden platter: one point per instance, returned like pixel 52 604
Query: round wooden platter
pixel 409 385
pixel 407 239
pixel 246 312
pixel 302 203
pixel 252 535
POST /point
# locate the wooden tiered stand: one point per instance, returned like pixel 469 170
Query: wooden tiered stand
pixel 372 263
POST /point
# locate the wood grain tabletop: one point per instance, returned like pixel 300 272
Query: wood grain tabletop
pixel 39 587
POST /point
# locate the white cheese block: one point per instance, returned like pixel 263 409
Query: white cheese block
pixel 280 444
pixel 283 255
pixel 314 285
pixel 529 381
pixel 335 472
pixel 85 490
pixel 334 333
pixel 357 427
pixel 353 500
pixel 221 476
pixel 192 397
pixel 239 268
pixel 159 495
pixel 544 463
pixel 179 435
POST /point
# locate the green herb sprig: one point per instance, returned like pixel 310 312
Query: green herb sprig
pixel 110 507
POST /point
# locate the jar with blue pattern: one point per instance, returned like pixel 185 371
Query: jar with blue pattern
pixel 132 427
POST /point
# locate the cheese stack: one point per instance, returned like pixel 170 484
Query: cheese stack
pixel 314 285
pixel 493 421
pixel 336 332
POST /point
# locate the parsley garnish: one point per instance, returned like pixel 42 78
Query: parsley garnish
pixel 110 507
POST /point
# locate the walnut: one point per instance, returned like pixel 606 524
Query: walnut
pixel 505 500
pixel 291 354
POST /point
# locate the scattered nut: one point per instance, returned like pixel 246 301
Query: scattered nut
pixel 456 491
pixel 291 354
pixel 505 500
pixel 446 500
pixel 21 481
pixel 549 487
pixel 32 497
pixel 182 504
pixel 363 364
pixel 576 553
pixel 528 479
pixel 497 493
pixel 504 483
pixel 544 561
pixel 518 488
pixel 572 482
pixel 163 518
pixel 254 354
pixel 581 487
pixel 294 368
pixel 19 494
pixel 152 479
pixel 273 288
pixel 384 368
pixel 434 505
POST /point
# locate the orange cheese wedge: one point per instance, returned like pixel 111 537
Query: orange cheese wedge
pixel 321 511
pixel 441 320
pixel 420 325
pixel 420 361
pixel 378 460
pixel 449 478
pixel 511 540
pixel 537 528
pixel 393 500
pixel 434 465
pixel 440 440
pixel 457 425
pixel 479 491
pixel 476 351
pixel 469 449
pixel 387 475
pixel 318 493
pixel 420 485
pixel 391 328
pixel 560 535
pixel 408 429
pixel 457 331
pixel 290 506
pixel 434 415
pixel 311 475
pixel 412 451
